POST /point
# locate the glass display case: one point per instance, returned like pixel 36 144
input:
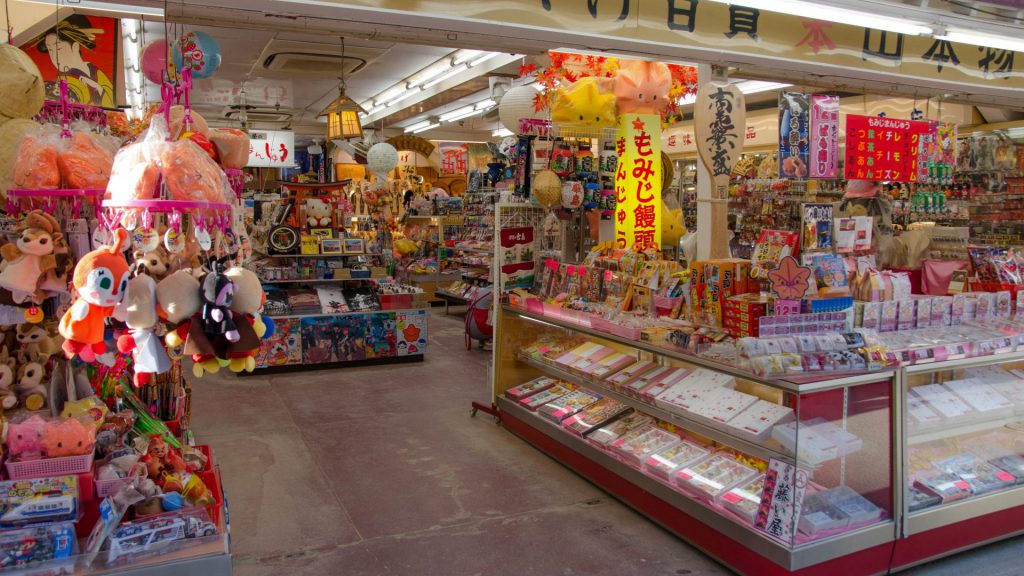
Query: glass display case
pixel 794 473
pixel 964 441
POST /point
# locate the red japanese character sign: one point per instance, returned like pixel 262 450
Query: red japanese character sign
pixel 638 182
pixel 883 148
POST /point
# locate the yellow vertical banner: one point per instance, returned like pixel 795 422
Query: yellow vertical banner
pixel 638 182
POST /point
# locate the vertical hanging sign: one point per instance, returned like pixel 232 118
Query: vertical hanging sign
pixel 794 135
pixel 884 149
pixel 824 153
pixel 638 182
pixel 719 118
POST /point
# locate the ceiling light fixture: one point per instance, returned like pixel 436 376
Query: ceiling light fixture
pixel 465 56
pixel 456 70
pixel 425 128
pixel 406 94
pixel 502 133
pixel 414 127
pixel 343 120
pixel 483 59
pixel 812 11
pixel 981 39
pixel 455 117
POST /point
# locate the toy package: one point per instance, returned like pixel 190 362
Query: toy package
pixel 32 545
pixel 159 534
pixel 38 500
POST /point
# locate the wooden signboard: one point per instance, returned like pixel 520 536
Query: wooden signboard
pixel 720 119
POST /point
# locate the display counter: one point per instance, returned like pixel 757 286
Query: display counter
pixel 769 476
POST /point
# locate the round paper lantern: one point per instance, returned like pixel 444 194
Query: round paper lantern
pixel 154 61
pixel 381 159
pixel 546 188
pixel 199 52
pixel 517 103
pixel 572 195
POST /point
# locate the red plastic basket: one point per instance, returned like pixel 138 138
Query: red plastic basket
pixel 44 467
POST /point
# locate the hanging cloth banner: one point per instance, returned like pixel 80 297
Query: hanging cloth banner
pixel 638 182
pixel 794 134
pixel 883 148
pixel 824 154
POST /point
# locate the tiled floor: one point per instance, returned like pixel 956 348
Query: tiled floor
pixel 381 471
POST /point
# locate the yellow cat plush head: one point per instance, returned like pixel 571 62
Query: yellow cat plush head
pixel 672 227
pixel 642 87
pixel 585 103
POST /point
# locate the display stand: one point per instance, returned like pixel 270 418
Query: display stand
pixel 885 458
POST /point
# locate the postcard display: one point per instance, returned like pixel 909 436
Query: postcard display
pixel 774 475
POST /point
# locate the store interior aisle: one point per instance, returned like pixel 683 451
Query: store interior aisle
pixel 381 471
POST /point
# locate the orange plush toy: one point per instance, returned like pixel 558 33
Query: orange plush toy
pixel 642 87
pixel 100 279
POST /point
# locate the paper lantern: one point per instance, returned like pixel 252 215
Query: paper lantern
pixel 572 195
pixel 516 104
pixel 381 159
pixel 547 188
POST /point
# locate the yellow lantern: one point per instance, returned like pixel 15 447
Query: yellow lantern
pixel 343 121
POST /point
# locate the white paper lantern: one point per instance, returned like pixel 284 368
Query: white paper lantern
pixel 381 158
pixel 517 103
pixel 572 195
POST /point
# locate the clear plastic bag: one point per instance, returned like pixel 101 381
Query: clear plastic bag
pixel 84 163
pixel 36 162
pixel 136 171
pixel 191 175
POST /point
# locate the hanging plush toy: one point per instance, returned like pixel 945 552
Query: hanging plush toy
pixel 7 369
pixel 100 280
pixel 31 391
pixel 642 87
pixel 217 294
pixel 246 304
pixel 147 350
pixel 587 102
pixel 35 342
pixel 30 257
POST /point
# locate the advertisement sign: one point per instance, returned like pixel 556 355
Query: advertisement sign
pixel 794 134
pixel 824 153
pixel 454 158
pixel 516 257
pixel 883 148
pixel 271 149
pixel 937 153
pixel 638 182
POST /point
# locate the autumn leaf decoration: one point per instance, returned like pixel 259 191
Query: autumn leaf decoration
pixel 789 280
pixel 567 68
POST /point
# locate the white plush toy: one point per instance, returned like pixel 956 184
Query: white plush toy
pixel 318 212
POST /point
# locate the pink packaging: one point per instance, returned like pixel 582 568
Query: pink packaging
pixel 633 387
pixel 872 315
pixel 905 315
pixel 923 318
pixel 941 310
pixel 1003 304
pixel 890 314
pixel 631 372
pixel 957 308
pixel 986 306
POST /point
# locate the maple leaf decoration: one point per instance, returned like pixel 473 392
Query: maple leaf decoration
pixel 789 280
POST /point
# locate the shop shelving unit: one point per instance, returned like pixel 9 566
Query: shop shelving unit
pixel 871 406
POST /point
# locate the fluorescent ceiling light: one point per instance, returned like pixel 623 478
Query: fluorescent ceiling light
pixel 980 39
pixel 466 56
pixel 414 127
pixel 455 117
pixel 375 109
pixel 483 59
pixel 502 133
pixel 812 11
pixel 430 72
pixel 108 7
pixel 389 95
pixel 447 75
pixel 406 94
pixel 425 128
pixel 755 86
pixel 484 104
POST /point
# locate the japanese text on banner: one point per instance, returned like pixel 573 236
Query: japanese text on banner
pixel 824 136
pixel 638 182
pixel 883 148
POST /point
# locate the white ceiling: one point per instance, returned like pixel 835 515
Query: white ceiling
pixel 289 77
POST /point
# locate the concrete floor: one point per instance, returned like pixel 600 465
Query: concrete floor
pixel 381 471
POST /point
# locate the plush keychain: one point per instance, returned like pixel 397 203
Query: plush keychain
pixel 100 280
pixel 147 350
pixel 245 306
pixel 30 387
pixel 30 257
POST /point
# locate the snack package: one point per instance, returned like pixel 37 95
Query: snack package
pixel 135 174
pixel 635 450
pixel 605 435
pixel 84 163
pixel 665 462
pixel 191 175
pixel 714 476
pixel 745 499
pixel 36 162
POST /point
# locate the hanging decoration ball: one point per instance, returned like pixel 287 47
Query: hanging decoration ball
pixel 381 159
pixel 547 189
pixel 572 195
pixel 515 105
pixel 199 52
pixel 154 61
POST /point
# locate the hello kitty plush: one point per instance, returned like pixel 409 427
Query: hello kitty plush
pixel 100 280
pixel 318 213
pixel 30 257
pixel 25 439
